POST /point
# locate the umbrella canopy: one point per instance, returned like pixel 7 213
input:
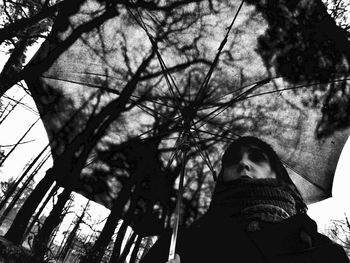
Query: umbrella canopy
pixel 114 66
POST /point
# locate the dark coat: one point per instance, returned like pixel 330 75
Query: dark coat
pixel 216 238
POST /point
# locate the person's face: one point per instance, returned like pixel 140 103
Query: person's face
pixel 249 161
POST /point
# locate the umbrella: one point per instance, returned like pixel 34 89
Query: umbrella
pixel 280 118
pixel 270 109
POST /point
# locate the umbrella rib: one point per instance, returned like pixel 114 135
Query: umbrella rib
pixel 94 157
pixel 159 135
pixel 149 110
pixel 153 129
pixel 19 102
pixel 228 104
pixel 113 91
pixel 216 59
pixel 145 109
pixel 304 176
pixel 204 154
pixel 292 88
pixel 235 91
pixel 177 149
pixel 153 100
pixel 83 83
pixel 88 73
pixel 165 70
pixel 206 159
pixel 217 135
pixel 226 130
pixel 268 92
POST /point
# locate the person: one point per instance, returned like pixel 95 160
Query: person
pixel 256 215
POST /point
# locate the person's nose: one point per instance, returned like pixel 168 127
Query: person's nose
pixel 244 163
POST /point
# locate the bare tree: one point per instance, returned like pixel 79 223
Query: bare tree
pixel 339 231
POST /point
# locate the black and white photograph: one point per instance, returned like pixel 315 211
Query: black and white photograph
pixel 173 131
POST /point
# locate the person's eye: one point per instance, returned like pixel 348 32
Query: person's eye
pixel 257 156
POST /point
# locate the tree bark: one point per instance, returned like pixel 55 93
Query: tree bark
pixel 14 64
pixel 118 242
pixel 38 213
pixel 19 224
pixel 136 249
pixel 127 248
pixel 21 190
pixel 126 222
pixel 13 188
pixel 14 28
pixel 96 252
pixel 51 222
pixel 72 235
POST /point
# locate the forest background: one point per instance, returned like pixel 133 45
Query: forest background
pixel 105 123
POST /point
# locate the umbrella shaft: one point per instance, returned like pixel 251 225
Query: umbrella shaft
pixel 177 209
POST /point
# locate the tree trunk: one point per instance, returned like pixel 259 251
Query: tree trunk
pixel 127 248
pixel 13 66
pixel 36 217
pixel 21 190
pixel 72 235
pixel 96 252
pixel 118 242
pixel 63 165
pixel 136 249
pixel 42 238
pixel 147 246
pixel 20 223
pixel 126 222
pixel 13 188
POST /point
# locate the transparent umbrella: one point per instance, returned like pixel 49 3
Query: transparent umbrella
pixel 269 108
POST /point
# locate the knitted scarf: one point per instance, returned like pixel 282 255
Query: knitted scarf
pixel 253 201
